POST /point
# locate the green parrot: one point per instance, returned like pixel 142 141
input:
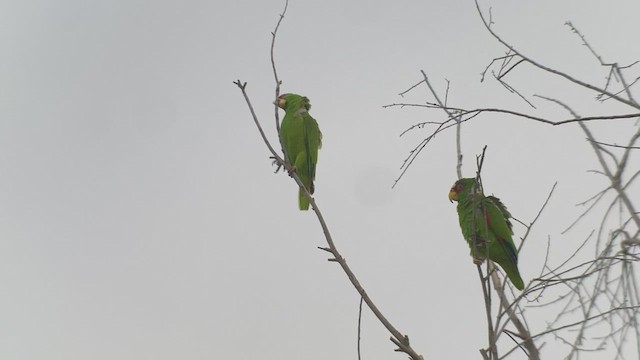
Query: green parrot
pixel 301 139
pixel 484 221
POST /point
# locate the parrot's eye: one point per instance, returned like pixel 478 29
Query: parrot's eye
pixel 459 187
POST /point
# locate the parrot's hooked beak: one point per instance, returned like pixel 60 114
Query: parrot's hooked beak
pixel 280 101
pixel 453 195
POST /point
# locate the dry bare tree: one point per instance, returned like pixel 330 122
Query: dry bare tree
pixel 595 301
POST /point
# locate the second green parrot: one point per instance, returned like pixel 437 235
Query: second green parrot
pixel 484 221
pixel 301 139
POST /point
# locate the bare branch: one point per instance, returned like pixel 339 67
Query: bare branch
pixel 530 226
pixel 478 111
pixel 243 88
pixel 359 325
pixel 486 292
pixel 411 88
pixel 581 322
pixel 615 69
pixel 550 70
pixel 273 65
pixel 278 82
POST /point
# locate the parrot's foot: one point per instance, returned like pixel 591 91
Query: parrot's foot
pixel 282 164
pixel 276 162
pixel 478 260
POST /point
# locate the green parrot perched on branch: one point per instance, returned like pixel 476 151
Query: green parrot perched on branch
pixel 484 221
pixel 301 139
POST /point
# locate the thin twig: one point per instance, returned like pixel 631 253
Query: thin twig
pixel 273 64
pixel 615 69
pixel 550 70
pixel 585 320
pixel 486 293
pixel 278 82
pixel 519 114
pixel 411 88
pixel 359 326
pixel 614 178
pixel 243 88
pixel 530 226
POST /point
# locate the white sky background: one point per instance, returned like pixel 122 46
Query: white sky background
pixel 140 215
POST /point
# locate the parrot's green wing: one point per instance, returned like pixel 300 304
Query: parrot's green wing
pixel 306 160
pixel 292 134
pixel 503 209
pixel 313 143
pixel 501 248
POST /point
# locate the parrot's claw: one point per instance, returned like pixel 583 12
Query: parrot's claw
pixel 282 164
pixel 277 162
pixel 477 260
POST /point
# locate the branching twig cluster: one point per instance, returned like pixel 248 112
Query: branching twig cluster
pixel 599 299
pixel 507 309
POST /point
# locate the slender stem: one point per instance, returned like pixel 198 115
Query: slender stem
pixel 359 326
pixel 273 64
pixel 522 329
pixel 487 25
pixel 486 292
pixel 243 88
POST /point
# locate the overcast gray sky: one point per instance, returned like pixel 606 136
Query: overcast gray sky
pixel 140 215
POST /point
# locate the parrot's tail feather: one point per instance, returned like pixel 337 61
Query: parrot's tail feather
pixel 516 280
pixel 513 274
pixel 303 203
